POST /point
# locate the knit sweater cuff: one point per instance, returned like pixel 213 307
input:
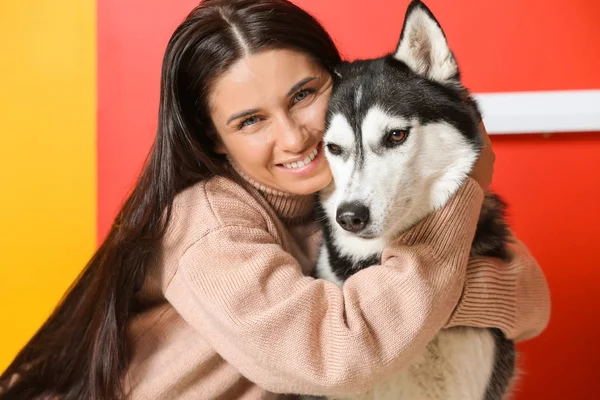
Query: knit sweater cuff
pixel 488 298
pixel 512 296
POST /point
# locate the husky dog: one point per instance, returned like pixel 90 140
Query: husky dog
pixel 402 136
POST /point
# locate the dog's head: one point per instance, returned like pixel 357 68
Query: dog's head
pixel 402 133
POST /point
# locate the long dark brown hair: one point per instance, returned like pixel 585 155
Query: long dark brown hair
pixel 81 351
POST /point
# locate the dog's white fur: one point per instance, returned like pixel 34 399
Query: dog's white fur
pixel 454 356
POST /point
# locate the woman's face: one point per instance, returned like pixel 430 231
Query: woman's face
pixel 269 111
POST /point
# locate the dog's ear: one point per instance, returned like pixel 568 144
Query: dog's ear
pixel 423 46
pixel 339 70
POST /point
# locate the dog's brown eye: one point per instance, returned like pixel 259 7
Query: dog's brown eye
pixel 334 149
pixel 397 136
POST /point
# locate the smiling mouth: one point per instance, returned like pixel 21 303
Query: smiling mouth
pixel 303 163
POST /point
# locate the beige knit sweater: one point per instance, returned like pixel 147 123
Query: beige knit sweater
pixel 230 312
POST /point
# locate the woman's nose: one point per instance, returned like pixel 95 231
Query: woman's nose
pixel 292 136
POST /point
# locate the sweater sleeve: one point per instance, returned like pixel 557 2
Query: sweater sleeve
pixel 512 296
pixel 294 334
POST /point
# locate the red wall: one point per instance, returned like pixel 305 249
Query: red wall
pixel 552 183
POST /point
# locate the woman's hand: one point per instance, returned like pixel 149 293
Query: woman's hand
pixel 484 166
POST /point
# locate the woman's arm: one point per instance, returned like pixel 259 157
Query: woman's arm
pixel 293 334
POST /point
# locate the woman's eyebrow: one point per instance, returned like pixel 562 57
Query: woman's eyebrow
pixel 242 114
pixel 300 84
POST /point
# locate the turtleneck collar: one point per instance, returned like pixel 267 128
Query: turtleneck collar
pixel 289 207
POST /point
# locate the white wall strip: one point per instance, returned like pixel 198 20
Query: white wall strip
pixel 541 112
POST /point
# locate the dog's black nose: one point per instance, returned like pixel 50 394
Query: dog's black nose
pixel 352 217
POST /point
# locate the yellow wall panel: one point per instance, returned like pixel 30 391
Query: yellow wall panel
pixel 47 158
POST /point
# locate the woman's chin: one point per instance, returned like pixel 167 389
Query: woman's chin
pixel 310 185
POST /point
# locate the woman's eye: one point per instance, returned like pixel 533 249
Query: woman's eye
pixel 249 121
pixel 302 95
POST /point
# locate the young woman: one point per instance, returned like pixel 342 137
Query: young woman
pixel 201 289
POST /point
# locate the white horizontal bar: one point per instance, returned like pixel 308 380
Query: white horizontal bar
pixel 540 112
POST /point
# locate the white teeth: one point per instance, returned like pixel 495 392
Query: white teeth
pixel 304 162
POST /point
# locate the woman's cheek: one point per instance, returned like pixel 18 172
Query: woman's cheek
pixel 257 148
pixel 313 116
